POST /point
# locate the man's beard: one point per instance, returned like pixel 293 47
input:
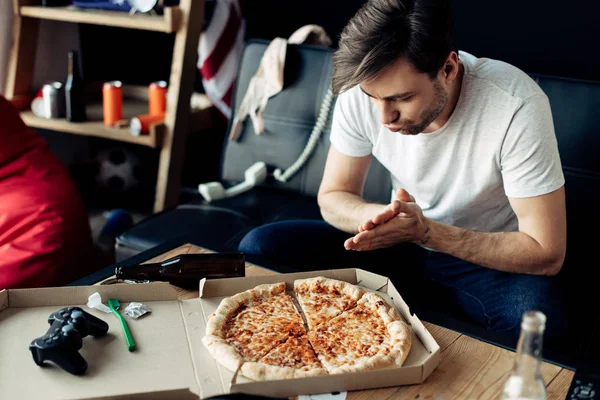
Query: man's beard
pixel 440 98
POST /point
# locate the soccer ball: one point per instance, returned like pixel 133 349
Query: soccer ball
pixel 118 170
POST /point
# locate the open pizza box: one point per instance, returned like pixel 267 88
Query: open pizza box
pixel 170 360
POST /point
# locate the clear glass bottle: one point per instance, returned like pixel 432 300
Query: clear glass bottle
pixel 525 381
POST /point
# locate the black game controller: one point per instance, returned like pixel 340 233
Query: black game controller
pixel 62 342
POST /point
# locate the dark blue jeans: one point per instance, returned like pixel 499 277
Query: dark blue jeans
pixel 492 299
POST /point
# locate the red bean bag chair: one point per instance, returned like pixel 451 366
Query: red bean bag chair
pixel 45 237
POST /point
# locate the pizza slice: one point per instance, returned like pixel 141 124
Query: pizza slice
pixel 246 326
pixel 322 298
pixel 253 345
pixel 293 359
pixel 370 336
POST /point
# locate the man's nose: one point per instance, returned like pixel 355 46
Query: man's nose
pixel 388 113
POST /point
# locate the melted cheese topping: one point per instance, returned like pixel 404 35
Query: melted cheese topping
pixel 353 337
pixel 322 303
pixel 295 353
pixel 262 324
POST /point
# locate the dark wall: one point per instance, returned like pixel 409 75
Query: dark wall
pixel 551 37
pixel 129 55
pixel 543 36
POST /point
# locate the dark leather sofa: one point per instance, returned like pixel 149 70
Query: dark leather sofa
pixel 289 119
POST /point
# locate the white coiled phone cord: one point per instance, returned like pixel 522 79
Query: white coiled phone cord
pixel 312 140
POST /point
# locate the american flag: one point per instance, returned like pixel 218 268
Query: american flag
pixel 219 52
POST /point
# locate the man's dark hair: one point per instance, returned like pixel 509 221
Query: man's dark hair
pixel 381 31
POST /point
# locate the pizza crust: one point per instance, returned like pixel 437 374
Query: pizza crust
pixel 223 352
pixel 401 338
pixel 379 361
pixel 376 303
pixel 263 372
pixel 398 329
pixel 346 288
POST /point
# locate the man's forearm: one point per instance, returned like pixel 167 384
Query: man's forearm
pixel 346 211
pixel 504 251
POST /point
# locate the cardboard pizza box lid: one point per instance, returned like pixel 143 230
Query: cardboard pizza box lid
pixel 170 360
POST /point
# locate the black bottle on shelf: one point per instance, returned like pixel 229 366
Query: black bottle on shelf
pixel 75 102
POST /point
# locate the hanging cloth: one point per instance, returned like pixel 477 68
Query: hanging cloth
pixel 268 80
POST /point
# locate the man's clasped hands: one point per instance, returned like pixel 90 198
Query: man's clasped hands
pixel 400 221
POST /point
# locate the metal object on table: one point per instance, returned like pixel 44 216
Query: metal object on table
pixel 53 95
pixel 112 102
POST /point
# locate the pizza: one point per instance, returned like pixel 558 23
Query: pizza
pixel 246 326
pixel 322 299
pixel 367 337
pixel 294 358
pixel 262 333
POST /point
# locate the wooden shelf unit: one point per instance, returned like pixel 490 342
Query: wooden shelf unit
pixel 135 102
pixel 168 22
pixel 169 137
pixel 94 126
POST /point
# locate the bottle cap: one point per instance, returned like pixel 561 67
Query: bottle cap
pixel 111 84
pixel 160 84
pixel 135 126
pixel 533 321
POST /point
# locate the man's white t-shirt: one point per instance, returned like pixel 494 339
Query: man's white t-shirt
pixel 498 142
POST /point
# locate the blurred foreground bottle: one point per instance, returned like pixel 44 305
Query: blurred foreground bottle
pixel 525 381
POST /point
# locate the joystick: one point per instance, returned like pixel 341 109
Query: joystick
pixel 62 341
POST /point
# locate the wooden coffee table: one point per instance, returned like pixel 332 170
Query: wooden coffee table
pixel 470 368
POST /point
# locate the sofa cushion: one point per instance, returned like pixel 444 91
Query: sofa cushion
pixel 220 225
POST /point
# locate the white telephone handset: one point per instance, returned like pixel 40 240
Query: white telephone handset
pixel 255 175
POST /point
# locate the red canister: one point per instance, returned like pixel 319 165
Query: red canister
pixel 140 125
pixel 112 102
pixel 157 98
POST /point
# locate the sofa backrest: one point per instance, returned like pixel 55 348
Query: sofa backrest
pixel 576 112
pixel 289 118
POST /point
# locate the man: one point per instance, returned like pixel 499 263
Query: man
pixel 479 206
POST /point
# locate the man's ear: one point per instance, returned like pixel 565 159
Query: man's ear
pixel 448 69
pixel 451 67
